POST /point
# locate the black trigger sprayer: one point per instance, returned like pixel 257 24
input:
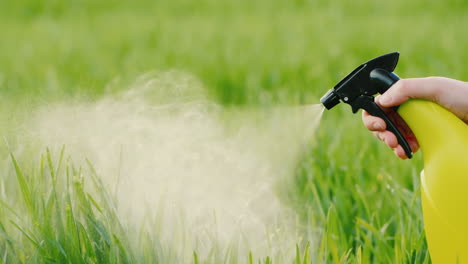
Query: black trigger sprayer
pixel 359 87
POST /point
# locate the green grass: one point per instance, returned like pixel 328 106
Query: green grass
pixel 364 202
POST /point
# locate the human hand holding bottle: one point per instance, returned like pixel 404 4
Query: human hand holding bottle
pixel 449 93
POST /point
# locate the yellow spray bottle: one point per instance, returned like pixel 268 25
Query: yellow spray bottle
pixel 443 138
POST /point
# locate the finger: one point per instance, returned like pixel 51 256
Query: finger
pixel 377 135
pixel 400 152
pixel 424 88
pixel 387 137
pixel 390 139
pixel 373 123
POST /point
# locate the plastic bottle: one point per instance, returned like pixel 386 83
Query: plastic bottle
pixel 443 139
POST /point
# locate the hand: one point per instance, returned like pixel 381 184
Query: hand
pixel 449 93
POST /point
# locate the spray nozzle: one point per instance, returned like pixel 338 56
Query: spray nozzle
pixel 330 99
pixel 359 87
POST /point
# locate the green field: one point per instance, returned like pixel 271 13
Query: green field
pixel 361 202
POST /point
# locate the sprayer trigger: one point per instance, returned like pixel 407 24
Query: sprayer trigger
pixel 359 87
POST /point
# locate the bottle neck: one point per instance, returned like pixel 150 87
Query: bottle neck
pixel 432 125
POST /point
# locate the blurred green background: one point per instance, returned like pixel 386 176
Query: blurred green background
pixel 254 53
pixel 238 48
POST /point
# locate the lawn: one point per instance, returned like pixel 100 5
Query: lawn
pixel 83 83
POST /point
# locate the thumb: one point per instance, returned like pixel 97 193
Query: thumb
pixel 423 88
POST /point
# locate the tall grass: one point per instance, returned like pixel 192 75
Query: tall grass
pixel 57 218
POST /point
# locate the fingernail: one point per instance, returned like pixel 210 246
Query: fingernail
pixel 385 99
